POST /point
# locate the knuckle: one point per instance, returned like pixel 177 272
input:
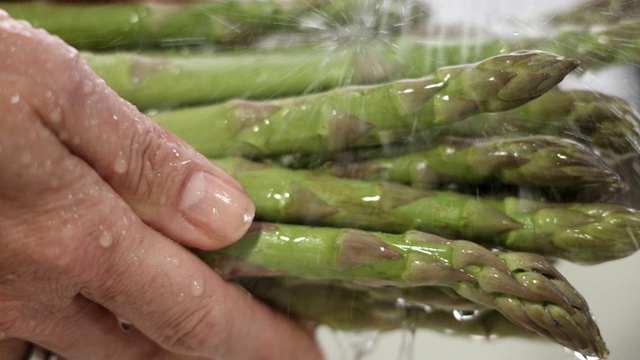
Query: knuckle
pixel 152 172
pixel 199 331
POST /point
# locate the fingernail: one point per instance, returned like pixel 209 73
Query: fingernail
pixel 214 206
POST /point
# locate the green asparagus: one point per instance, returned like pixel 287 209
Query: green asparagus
pixel 567 167
pixel 206 78
pixel 598 12
pixel 596 119
pixel 587 233
pixel 107 26
pixel 524 287
pixel 358 116
pixel 345 307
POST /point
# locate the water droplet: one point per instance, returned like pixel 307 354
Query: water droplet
pixel 181 297
pixel 466 315
pixel 64 135
pixel 126 326
pixel 120 165
pixel 173 261
pixel 56 115
pixel 134 18
pixel 196 288
pixel 87 86
pixel 357 345
pixel 114 117
pixel 15 98
pixel 106 239
pixel 25 158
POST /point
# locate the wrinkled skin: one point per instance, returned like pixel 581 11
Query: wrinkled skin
pixel 97 207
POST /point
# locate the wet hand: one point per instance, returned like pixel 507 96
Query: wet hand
pixel 97 205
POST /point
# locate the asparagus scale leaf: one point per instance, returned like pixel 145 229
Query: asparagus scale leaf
pixel 523 287
pixel 588 233
pixel 358 116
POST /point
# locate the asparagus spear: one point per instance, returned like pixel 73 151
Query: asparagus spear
pixel 135 25
pixel 358 116
pixel 345 307
pixel 534 161
pixel 205 78
pixel 593 118
pixel 523 287
pixel 598 12
pixel 587 233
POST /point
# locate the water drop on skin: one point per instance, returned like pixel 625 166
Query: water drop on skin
pixel 120 165
pixel 56 115
pixel 87 86
pixel 173 261
pixel 196 288
pixel 15 99
pixel 106 239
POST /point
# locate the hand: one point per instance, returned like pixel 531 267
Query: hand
pixel 96 205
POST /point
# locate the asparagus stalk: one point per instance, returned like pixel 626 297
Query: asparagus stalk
pixel 144 24
pixel 359 116
pixel 523 287
pixel 598 12
pixel 578 232
pixel 206 78
pixel 535 161
pixel 345 307
pixel 599 120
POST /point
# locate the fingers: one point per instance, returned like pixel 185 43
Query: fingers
pixel 62 224
pixel 168 185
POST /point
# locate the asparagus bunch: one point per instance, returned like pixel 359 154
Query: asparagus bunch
pixel 601 121
pixel 144 24
pixel 360 116
pixel 349 307
pixel 562 167
pixel 525 288
pixel 588 233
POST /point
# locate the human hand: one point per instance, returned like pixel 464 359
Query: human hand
pixel 96 205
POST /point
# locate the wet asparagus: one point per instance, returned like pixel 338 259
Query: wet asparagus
pixel 352 308
pixel 136 25
pixel 358 116
pixel 534 161
pixel 587 233
pixel 523 287
pixel 597 120
pixel 212 77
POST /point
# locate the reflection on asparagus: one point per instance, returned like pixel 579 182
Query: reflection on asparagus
pixel 344 306
pixel 377 114
pixel 135 25
pixel 588 233
pixel 535 161
pixel 196 79
pixel 593 118
pixel 523 287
